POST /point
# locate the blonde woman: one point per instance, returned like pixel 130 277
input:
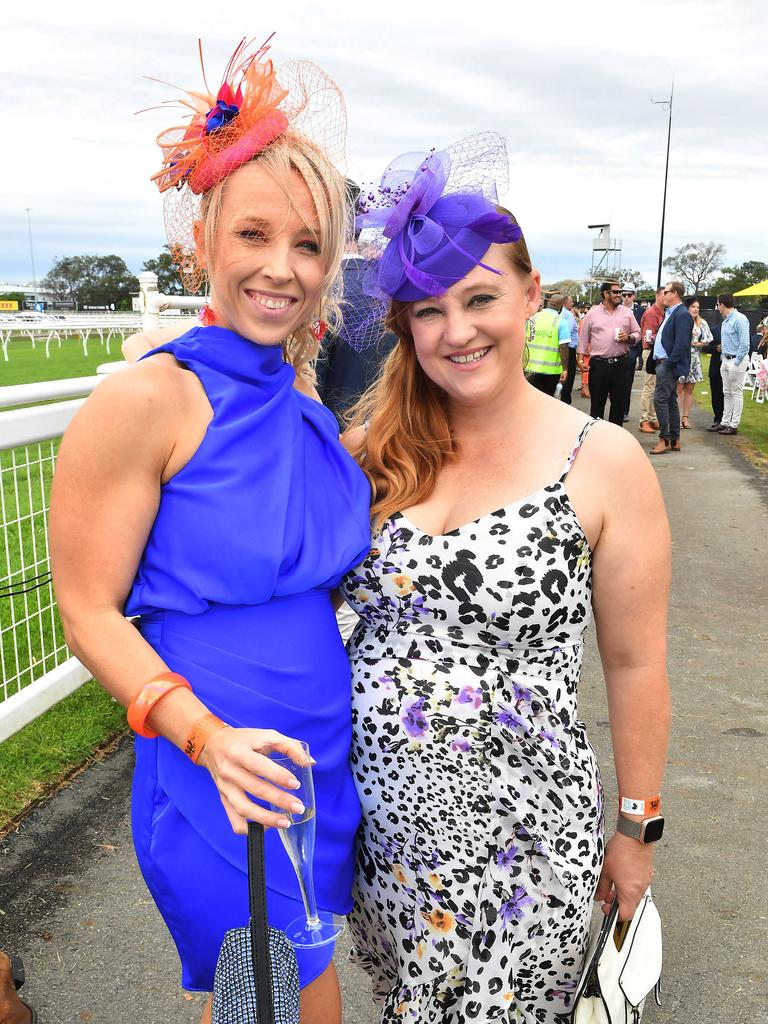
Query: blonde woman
pixel 503 519
pixel 700 338
pixel 201 491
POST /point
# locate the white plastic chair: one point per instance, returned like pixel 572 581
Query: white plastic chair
pixel 761 380
pixel 750 376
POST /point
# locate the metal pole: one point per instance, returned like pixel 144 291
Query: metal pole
pixel 31 254
pixel 667 103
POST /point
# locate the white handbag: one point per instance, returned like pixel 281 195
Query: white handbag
pixel 623 965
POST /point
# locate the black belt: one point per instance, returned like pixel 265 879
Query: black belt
pixel 607 359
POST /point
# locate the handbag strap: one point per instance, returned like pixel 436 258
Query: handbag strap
pixel 257 898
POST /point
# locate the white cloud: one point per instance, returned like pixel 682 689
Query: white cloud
pixel 569 85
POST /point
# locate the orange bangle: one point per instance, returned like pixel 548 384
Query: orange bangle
pixel 147 697
pixel 201 732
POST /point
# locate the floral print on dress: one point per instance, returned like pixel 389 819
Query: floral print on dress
pixel 481 841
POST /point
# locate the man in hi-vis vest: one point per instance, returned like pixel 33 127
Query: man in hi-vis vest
pixel 547 364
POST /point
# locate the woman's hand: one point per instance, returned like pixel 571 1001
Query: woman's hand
pixel 238 762
pixel 627 873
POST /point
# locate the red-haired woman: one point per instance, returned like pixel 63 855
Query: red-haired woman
pixel 502 520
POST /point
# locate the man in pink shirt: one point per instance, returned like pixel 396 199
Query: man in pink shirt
pixel 608 329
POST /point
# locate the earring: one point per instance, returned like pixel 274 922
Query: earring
pixel 206 316
pixel 530 330
pixel 318 329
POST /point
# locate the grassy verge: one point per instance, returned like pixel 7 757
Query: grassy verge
pixel 753 428
pixel 37 759
pixel 27 365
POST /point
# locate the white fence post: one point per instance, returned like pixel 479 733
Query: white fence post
pixel 148 300
pixel 152 302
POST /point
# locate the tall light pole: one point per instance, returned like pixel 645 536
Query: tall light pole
pixel 668 104
pixel 31 255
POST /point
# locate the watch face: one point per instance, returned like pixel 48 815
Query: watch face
pixel 653 830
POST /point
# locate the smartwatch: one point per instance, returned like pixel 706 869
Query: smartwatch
pixel 650 830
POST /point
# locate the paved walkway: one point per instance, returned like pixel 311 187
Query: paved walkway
pixel 72 901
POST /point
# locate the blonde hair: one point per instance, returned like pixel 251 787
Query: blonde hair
pixel 408 437
pixel 294 152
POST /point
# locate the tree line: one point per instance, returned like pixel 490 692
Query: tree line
pixel 699 265
pixel 106 280
pixel 103 280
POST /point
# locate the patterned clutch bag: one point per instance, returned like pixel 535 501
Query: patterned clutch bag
pixel 257 978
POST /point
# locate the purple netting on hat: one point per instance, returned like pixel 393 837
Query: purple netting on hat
pixel 427 224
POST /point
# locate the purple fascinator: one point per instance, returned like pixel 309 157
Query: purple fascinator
pixel 427 224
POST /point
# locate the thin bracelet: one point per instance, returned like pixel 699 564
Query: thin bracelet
pixel 148 696
pixel 649 806
pixel 201 732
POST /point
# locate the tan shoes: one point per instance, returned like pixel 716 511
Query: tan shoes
pixel 646 428
pixel 12 1009
pixel 661 447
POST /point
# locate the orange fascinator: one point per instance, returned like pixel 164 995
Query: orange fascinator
pixel 254 105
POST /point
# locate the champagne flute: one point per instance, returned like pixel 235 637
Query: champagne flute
pixel 316 928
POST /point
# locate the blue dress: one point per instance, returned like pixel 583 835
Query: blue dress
pixel 233 592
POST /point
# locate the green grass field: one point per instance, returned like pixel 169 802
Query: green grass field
pixel 46 751
pixel 27 365
pixel 753 428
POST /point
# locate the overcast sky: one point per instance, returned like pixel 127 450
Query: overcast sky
pixel 568 83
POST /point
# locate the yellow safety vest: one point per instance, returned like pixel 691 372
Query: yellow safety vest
pixel 544 346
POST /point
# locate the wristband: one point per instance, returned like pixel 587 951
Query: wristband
pixel 648 807
pixel 147 697
pixel 201 732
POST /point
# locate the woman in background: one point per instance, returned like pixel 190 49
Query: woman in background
pixel 701 337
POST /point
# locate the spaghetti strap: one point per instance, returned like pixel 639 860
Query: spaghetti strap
pixel 575 450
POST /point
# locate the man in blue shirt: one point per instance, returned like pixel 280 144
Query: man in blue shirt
pixel 568 317
pixel 734 346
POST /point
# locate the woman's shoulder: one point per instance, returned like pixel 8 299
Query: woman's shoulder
pixel 154 390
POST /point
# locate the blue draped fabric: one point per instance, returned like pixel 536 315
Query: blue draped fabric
pixel 233 592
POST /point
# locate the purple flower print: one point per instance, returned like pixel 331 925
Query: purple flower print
pixel 461 745
pixel 513 909
pixel 549 736
pixel 387 683
pixel 413 717
pixel 506 716
pixel 522 693
pixel 470 695
pixel 416 609
pixel 506 858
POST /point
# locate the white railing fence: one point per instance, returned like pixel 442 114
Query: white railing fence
pixel 107 327
pixel 36 668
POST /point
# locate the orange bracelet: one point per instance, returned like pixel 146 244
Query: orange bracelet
pixel 202 730
pixel 650 805
pixel 147 697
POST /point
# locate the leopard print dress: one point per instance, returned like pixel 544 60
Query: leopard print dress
pixel 482 834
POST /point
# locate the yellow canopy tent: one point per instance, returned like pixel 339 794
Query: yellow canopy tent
pixel 755 289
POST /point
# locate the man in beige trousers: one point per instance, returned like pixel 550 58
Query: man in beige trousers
pixel 650 322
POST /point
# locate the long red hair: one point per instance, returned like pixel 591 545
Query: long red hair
pixel 408 436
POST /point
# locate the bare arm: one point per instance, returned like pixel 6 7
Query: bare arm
pixel 137 345
pixel 631 571
pixel 106 492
